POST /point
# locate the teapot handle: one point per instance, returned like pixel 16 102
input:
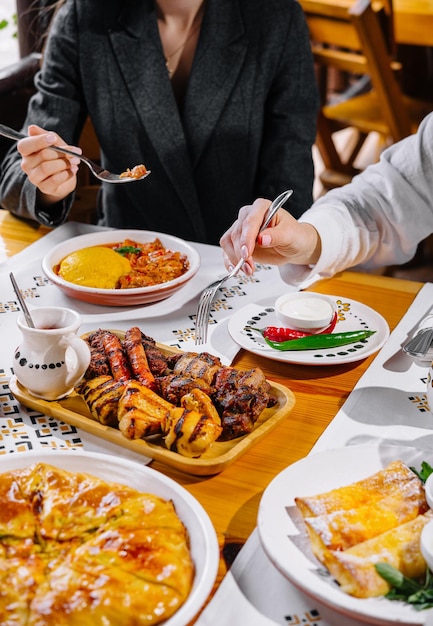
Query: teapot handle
pixel 77 358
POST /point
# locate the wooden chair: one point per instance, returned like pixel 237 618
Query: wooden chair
pixel 357 38
pixel 17 87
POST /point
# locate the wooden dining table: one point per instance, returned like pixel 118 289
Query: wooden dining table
pixel 231 498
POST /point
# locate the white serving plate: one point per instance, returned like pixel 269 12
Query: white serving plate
pixel 120 297
pixel 285 539
pixel 352 315
pixel 204 543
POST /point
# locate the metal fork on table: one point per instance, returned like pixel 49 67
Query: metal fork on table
pixel 97 171
pixel 208 294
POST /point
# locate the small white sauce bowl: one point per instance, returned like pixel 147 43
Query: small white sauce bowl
pixel 426 544
pixel 428 488
pixel 307 311
pixel 426 540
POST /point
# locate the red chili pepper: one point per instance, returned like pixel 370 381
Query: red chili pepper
pixel 275 333
pixel 331 325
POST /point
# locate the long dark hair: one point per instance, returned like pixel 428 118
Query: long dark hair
pixel 34 18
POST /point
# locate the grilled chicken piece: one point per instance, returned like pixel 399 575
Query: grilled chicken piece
pixel 189 432
pixel 198 400
pixel 192 428
pixel 102 395
pixel 137 358
pixel 203 365
pixel 141 412
pixel 174 386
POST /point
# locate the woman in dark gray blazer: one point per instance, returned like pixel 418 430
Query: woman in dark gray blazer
pixel 217 97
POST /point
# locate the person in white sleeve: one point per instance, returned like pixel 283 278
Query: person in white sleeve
pixel 376 220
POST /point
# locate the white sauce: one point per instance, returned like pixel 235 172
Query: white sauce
pixel 311 309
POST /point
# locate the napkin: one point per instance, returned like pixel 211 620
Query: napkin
pixel 426 322
pixel 389 405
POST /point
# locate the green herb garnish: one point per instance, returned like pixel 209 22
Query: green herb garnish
pixel 424 472
pixel 127 250
pixel 419 595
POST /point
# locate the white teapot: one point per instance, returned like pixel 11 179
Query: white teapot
pixel 51 358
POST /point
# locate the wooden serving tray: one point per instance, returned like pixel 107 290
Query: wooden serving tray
pixel 73 410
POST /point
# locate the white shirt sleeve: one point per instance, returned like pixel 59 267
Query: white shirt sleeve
pixel 380 217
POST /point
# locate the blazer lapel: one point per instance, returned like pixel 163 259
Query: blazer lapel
pixel 217 65
pixel 138 50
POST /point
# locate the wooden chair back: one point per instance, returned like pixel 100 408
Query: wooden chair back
pixel 16 89
pixel 357 37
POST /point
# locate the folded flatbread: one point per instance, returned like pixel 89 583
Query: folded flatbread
pixel 365 491
pixel 354 568
pixel 377 519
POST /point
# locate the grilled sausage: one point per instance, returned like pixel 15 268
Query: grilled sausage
pixel 119 365
pixel 137 357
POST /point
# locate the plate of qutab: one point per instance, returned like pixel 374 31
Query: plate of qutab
pixel 177 260
pixel 297 500
pixel 268 411
pixel 91 500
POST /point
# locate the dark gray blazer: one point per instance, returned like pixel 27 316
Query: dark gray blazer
pixel 245 130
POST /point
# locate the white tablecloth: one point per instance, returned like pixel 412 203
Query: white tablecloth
pixel 387 406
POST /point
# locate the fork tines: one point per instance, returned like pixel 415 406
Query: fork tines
pixel 203 313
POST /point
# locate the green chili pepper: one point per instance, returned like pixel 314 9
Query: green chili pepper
pixel 317 342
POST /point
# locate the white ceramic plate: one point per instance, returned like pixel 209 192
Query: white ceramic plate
pixel 287 544
pixel 120 297
pixel 204 544
pixel 352 315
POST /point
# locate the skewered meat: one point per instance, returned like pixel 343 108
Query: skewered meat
pixel 239 396
pixel 234 399
pixel 141 411
pixel 119 365
pixel 203 365
pixel 102 395
pixel 158 362
pixel 239 409
pixel 137 357
pixel 174 386
pixel 99 365
pixel 229 378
